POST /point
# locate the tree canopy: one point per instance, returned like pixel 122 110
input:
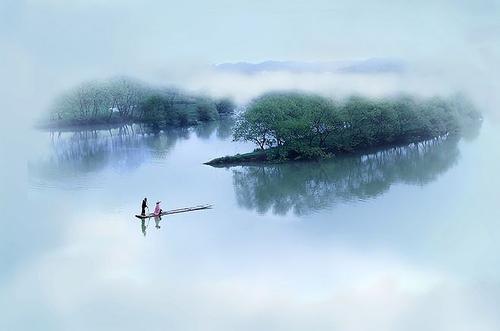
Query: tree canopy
pixel 307 125
pixel 127 100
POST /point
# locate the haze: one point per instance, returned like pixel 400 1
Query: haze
pixel 414 255
pixel 50 45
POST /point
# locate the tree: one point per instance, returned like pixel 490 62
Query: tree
pixel 305 125
pixel 127 100
pixel 247 129
pixel 125 95
pixel 225 106
pixel 207 110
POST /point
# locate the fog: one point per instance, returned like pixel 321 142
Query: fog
pixel 50 45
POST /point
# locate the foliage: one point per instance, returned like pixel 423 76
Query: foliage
pixel 126 100
pixel 225 106
pixel 298 125
pixel 206 110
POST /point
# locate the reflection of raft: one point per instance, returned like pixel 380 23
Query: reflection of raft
pixel 175 211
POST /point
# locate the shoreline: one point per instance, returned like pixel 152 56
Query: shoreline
pixel 85 125
pixel 268 156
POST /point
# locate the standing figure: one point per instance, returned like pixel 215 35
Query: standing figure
pixel 144 206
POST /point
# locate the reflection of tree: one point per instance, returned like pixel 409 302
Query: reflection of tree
pixel 206 130
pixel 306 187
pixel 77 153
pixel 222 128
pixel 225 128
pixel 81 152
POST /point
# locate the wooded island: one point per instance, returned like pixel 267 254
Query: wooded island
pixel 293 126
pixel 283 125
pixel 126 100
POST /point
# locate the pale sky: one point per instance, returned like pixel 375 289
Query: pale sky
pixel 47 45
pixel 124 33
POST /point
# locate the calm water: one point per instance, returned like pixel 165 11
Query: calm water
pixel 404 239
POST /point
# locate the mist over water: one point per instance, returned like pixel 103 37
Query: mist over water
pixel 404 232
pixel 401 239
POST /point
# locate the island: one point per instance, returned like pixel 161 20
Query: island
pixel 300 126
pixel 125 100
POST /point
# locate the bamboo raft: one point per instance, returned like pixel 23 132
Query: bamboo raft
pixel 175 211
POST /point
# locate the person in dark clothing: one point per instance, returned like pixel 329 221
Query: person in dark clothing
pixel 144 206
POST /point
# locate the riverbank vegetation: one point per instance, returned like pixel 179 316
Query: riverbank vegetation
pixel 287 126
pixel 126 100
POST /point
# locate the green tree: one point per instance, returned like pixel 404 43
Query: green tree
pixel 305 125
pixel 225 106
pixel 206 110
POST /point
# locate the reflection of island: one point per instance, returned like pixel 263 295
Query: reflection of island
pixel 74 154
pixel 306 187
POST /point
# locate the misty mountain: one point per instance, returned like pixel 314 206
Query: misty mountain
pixel 366 66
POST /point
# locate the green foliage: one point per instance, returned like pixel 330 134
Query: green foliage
pixel 166 108
pixel 249 128
pixel 309 126
pixel 225 106
pixel 206 110
pixel 154 109
pixel 126 100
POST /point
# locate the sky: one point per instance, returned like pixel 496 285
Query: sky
pixel 50 45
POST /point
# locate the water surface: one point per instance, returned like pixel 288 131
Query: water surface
pixel 402 239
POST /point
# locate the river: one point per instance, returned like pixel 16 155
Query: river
pixel 403 239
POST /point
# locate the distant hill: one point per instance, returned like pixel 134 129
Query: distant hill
pixel 367 66
pixel 374 65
